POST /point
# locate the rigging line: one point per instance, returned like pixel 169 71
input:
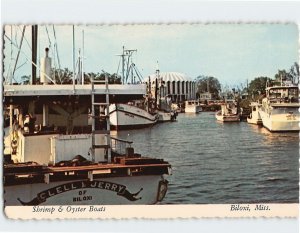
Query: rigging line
pixel 25 38
pixel 11 47
pixel 21 65
pixel 119 65
pixel 48 36
pixel 16 38
pixel 127 72
pixel 56 47
pixel 138 73
pixel 128 67
pixel 56 51
pixel 141 75
pixel 19 50
pixel 56 70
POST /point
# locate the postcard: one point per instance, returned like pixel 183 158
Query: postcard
pixel 151 121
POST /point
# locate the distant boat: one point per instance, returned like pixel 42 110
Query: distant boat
pixel 228 112
pixel 280 108
pixel 125 116
pixel 192 106
pixel 167 116
pixel 255 117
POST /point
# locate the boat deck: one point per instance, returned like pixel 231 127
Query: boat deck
pixel 123 164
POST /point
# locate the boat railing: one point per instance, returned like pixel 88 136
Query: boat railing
pixel 120 145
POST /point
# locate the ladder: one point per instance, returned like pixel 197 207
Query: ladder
pixel 107 146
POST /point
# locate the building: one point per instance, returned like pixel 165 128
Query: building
pixel 176 85
pixel 206 96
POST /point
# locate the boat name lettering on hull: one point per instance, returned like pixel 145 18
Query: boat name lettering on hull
pixel 104 185
pixel 130 115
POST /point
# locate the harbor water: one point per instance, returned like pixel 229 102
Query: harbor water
pixel 219 163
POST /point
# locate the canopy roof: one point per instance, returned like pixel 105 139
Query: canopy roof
pixel 170 76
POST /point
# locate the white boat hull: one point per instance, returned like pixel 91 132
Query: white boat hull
pixel 137 190
pixel 280 122
pixel 123 116
pixel 227 118
pixel 255 119
pixel 193 109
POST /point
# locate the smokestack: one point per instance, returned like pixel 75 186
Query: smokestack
pixel 45 68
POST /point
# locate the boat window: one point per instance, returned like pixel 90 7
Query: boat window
pixel 293 92
pixel 285 110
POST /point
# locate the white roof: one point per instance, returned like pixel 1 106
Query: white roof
pixel 170 76
pixel 47 90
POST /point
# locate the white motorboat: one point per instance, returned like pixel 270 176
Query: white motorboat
pixel 280 108
pixel 228 112
pixel 192 106
pixel 254 117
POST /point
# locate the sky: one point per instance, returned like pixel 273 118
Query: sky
pixel 233 53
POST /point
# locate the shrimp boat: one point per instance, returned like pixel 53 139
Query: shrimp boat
pixel 128 116
pixel 53 156
pixel 254 117
pixel 133 114
pixel 280 108
pixel 228 112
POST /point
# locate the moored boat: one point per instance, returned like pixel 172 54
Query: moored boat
pixel 53 156
pixel 192 106
pixel 125 116
pixel 280 108
pixel 228 113
pixel 254 117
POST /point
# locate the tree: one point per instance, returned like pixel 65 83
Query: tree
pixel 283 75
pixel 208 84
pixel 65 76
pixel 295 73
pixel 258 86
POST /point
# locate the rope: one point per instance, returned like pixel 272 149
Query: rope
pixel 48 36
pixel 19 50
pixel 56 47
pixel 25 38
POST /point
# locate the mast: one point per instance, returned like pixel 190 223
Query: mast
pixel 82 72
pixel 155 92
pixel 158 86
pixel 123 65
pixel 34 35
pixel 73 58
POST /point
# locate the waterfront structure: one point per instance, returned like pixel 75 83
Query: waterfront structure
pixel 254 117
pixel 206 96
pixel 178 86
pixel 280 108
